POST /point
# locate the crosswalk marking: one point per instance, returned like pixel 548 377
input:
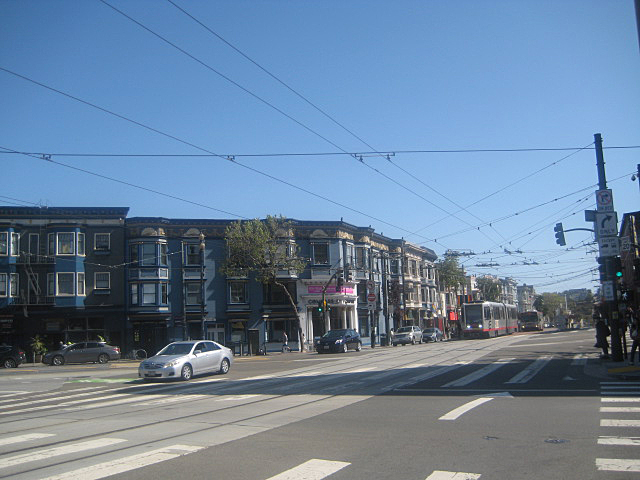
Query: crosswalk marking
pixel 313 469
pixel 443 475
pixel 61 450
pixel 580 359
pixel 619 409
pixel 528 373
pixel 126 464
pixel 618 464
pixel 457 412
pixel 612 422
pixel 472 377
pixel 24 438
pixel 619 441
pixel 620 399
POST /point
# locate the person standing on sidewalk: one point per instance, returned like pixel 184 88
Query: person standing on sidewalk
pixel 602 332
pixel 633 332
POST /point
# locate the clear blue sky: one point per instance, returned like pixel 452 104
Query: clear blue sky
pixel 400 75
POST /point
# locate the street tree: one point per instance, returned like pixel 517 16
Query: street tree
pixel 490 288
pixel 263 249
pixel 450 274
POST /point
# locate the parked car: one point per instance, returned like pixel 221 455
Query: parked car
pixel 340 340
pixel 186 359
pixel 11 357
pixel 404 335
pixel 431 335
pixel 83 352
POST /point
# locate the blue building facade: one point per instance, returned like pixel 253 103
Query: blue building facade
pixel 72 274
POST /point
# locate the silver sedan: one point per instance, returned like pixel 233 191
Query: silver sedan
pixel 186 359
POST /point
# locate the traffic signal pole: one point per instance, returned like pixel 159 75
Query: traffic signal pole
pixel 606 213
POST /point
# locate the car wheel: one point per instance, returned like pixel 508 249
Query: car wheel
pixel 224 366
pixel 358 347
pixel 9 363
pixel 186 373
pixel 57 360
pixel 395 344
pixel 345 348
pixel 103 358
pixel 413 341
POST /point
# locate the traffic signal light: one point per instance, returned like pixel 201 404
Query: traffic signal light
pixel 339 283
pixel 320 306
pixel 602 268
pixel 559 234
pixel 617 268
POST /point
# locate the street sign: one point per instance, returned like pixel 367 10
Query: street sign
pixel 607 224
pixel 371 297
pixel 370 286
pixel 607 291
pixel 625 244
pixel 608 246
pixel 371 306
pixel 604 200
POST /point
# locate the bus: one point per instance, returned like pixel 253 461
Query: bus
pixel 530 321
pixel 488 319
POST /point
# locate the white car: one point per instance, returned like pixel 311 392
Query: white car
pixel 186 359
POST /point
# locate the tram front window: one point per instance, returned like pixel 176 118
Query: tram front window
pixel 473 314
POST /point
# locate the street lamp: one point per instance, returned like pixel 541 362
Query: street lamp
pixel 202 285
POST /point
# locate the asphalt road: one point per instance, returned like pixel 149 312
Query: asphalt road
pixel 527 406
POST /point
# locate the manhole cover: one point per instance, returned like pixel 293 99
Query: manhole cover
pixel 556 440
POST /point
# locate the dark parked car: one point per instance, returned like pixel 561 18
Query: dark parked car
pixel 431 335
pixel 84 352
pixel 340 340
pixel 11 357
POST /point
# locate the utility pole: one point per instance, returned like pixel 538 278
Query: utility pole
pixel 606 232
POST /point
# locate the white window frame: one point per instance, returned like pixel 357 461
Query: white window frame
pixel 4 244
pixel 148 290
pixel 81 287
pixel 15 244
pixel 58 282
pixel 81 243
pixel 96 282
pixel 58 243
pixel 103 235
pixel 133 294
pixel 14 284
pixel 148 261
pixel 51 284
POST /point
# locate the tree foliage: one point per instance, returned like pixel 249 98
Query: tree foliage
pixel 490 288
pixel 262 248
pixel 450 274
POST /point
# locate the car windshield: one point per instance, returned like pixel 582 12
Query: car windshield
pixel 429 330
pixel 176 349
pixel 404 329
pixel 334 334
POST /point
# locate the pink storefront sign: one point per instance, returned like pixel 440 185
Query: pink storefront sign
pixel 330 289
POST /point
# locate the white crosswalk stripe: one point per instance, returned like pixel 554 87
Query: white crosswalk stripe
pixel 313 469
pixel 56 451
pixel 483 372
pixel 126 464
pixel 27 437
pixel 532 370
pixel 443 475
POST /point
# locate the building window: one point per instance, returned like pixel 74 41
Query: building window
pixel 66 243
pixel 3 284
pixel 4 245
pixel 320 253
pixel 102 242
pixel 134 294
pixel 149 296
pixel 133 254
pixel 15 244
pixel 81 250
pixel 163 254
pixel 238 292
pixel 65 284
pixel 102 280
pixel 148 254
pixel 81 284
pixel 193 295
pixel 14 280
pixel 51 244
pixel 164 292
pixel 361 258
pixel 51 284
pixel 192 254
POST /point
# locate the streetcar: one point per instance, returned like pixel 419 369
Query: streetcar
pixel 530 321
pixel 488 319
